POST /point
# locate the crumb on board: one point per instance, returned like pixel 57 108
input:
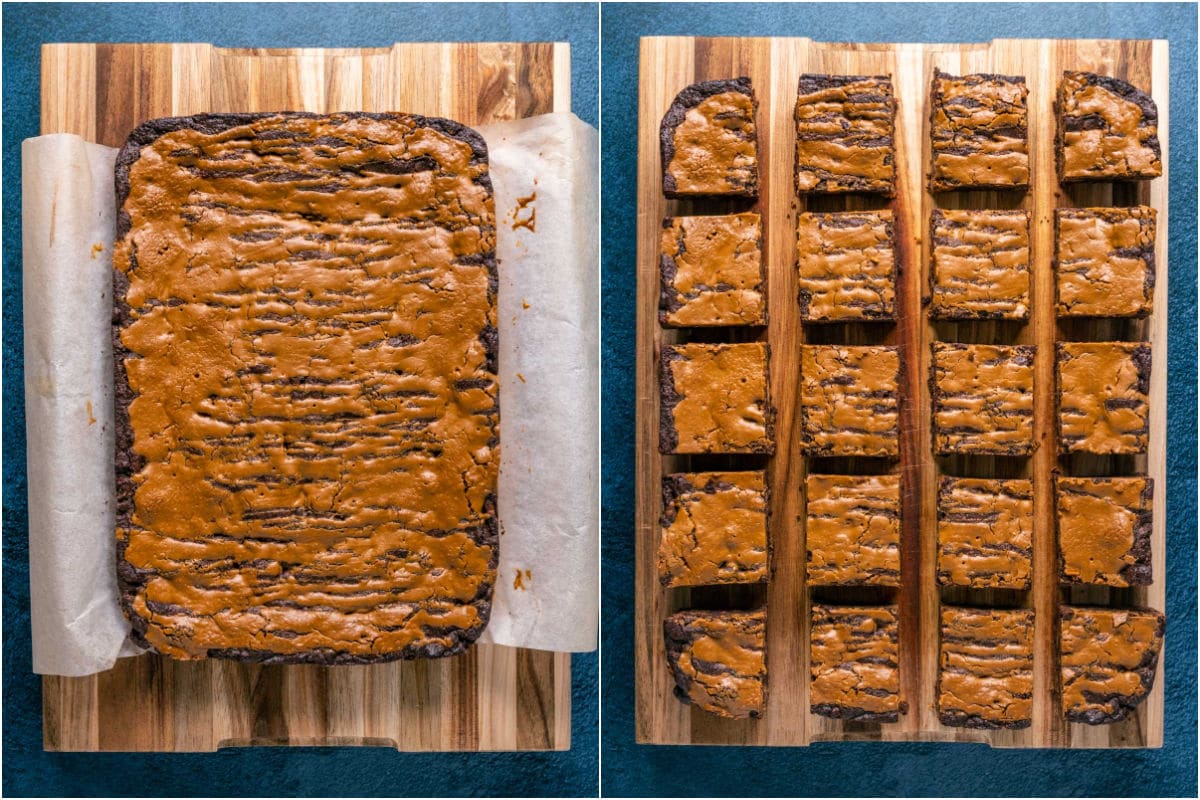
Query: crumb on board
pixel 525 204
pixel 521 577
pixel 524 303
pixel 522 377
pixel 91 416
pixel 97 249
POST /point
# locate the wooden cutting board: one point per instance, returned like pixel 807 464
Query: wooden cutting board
pixel 668 64
pixel 490 698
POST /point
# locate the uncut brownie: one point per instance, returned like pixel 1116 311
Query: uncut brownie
pixel 306 399
pixel 979 264
pixel 985 676
pixel 1104 527
pixel 855 661
pixel 712 272
pixel 719 660
pixel 1104 261
pixel 982 398
pixel 714 529
pixel 847 266
pixel 852 533
pixel 1107 130
pixel 1103 397
pixel 849 401
pixel 1108 658
pixel 978 132
pixel 708 141
pixel 845 131
pixel 715 399
pixel 985 533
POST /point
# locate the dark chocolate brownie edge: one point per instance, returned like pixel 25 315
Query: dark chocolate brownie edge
pixel 960 719
pixel 690 97
pixel 1140 572
pixel 853 714
pixel 668 436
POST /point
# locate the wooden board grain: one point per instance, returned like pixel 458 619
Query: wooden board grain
pixel 490 698
pixel 668 64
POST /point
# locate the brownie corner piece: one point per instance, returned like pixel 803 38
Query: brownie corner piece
pixel 708 141
pixel 1104 528
pixel 852 530
pixel 855 663
pixel 1104 261
pixel 983 398
pixel 979 264
pixel 1107 130
pixel 1103 397
pixel 713 529
pixel 845 134
pixel 1108 660
pixel 850 400
pixel 978 132
pixel 847 266
pixel 985 533
pixel 719 660
pixel 711 271
pixel 715 399
pixel 985 675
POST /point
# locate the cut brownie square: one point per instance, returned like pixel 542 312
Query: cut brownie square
pixel 985 533
pixel 979 264
pixel 712 271
pixel 978 128
pixel 983 398
pixel 845 127
pixel 1107 130
pixel 849 401
pixel 1103 397
pixel 855 661
pixel 708 141
pixel 985 678
pixel 847 266
pixel 1104 529
pixel 1108 659
pixel 1105 261
pixel 715 399
pixel 853 530
pixel 719 660
pixel 714 529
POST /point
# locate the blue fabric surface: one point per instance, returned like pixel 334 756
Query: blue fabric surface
pixel 258 771
pixel 877 768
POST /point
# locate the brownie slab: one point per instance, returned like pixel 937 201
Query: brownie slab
pixel 978 132
pixel 714 529
pixel 849 401
pixel 708 141
pixel 852 532
pixel 847 266
pixel 719 660
pixel 712 271
pixel 1104 527
pixel 715 399
pixel 1104 262
pixel 983 398
pixel 845 134
pixel 979 264
pixel 985 678
pixel 985 533
pixel 1108 658
pixel 855 660
pixel 1107 130
pixel 1103 397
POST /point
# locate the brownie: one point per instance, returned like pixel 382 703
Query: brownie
pixel 853 530
pixel 1108 660
pixel 1103 397
pixel 708 142
pixel 1107 130
pixel 719 660
pixel 849 401
pixel 985 533
pixel 1104 261
pixel 307 422
pixel 978 132
pixel 855 660
pixel 979 264
pixel 985 677
pixel 714 529
pixel 847 266
pixel 1104 527
pixel 715 399
pixel 712 271
pixel 982 398
pixel 845 134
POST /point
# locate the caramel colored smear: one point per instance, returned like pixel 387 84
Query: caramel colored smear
pixel 849 400
pixel 714 529
pixel 715 398
pixel 1104 397
pixel 715 151
pixel 980 265
pixel 718 659
pixel 1104 530
pixel 1108 129
pixel 1105 261
pixel 853 530
pixel 856 663
pixel 985 533
pixel 978 129
pixel 314 405
pixel 845 134
pixel 986 668
pixel 847 266
pixel 712 271
pixel 1109 657
pixel 983 398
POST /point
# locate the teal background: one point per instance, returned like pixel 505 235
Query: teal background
pixel 257 771
pixel 868 768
